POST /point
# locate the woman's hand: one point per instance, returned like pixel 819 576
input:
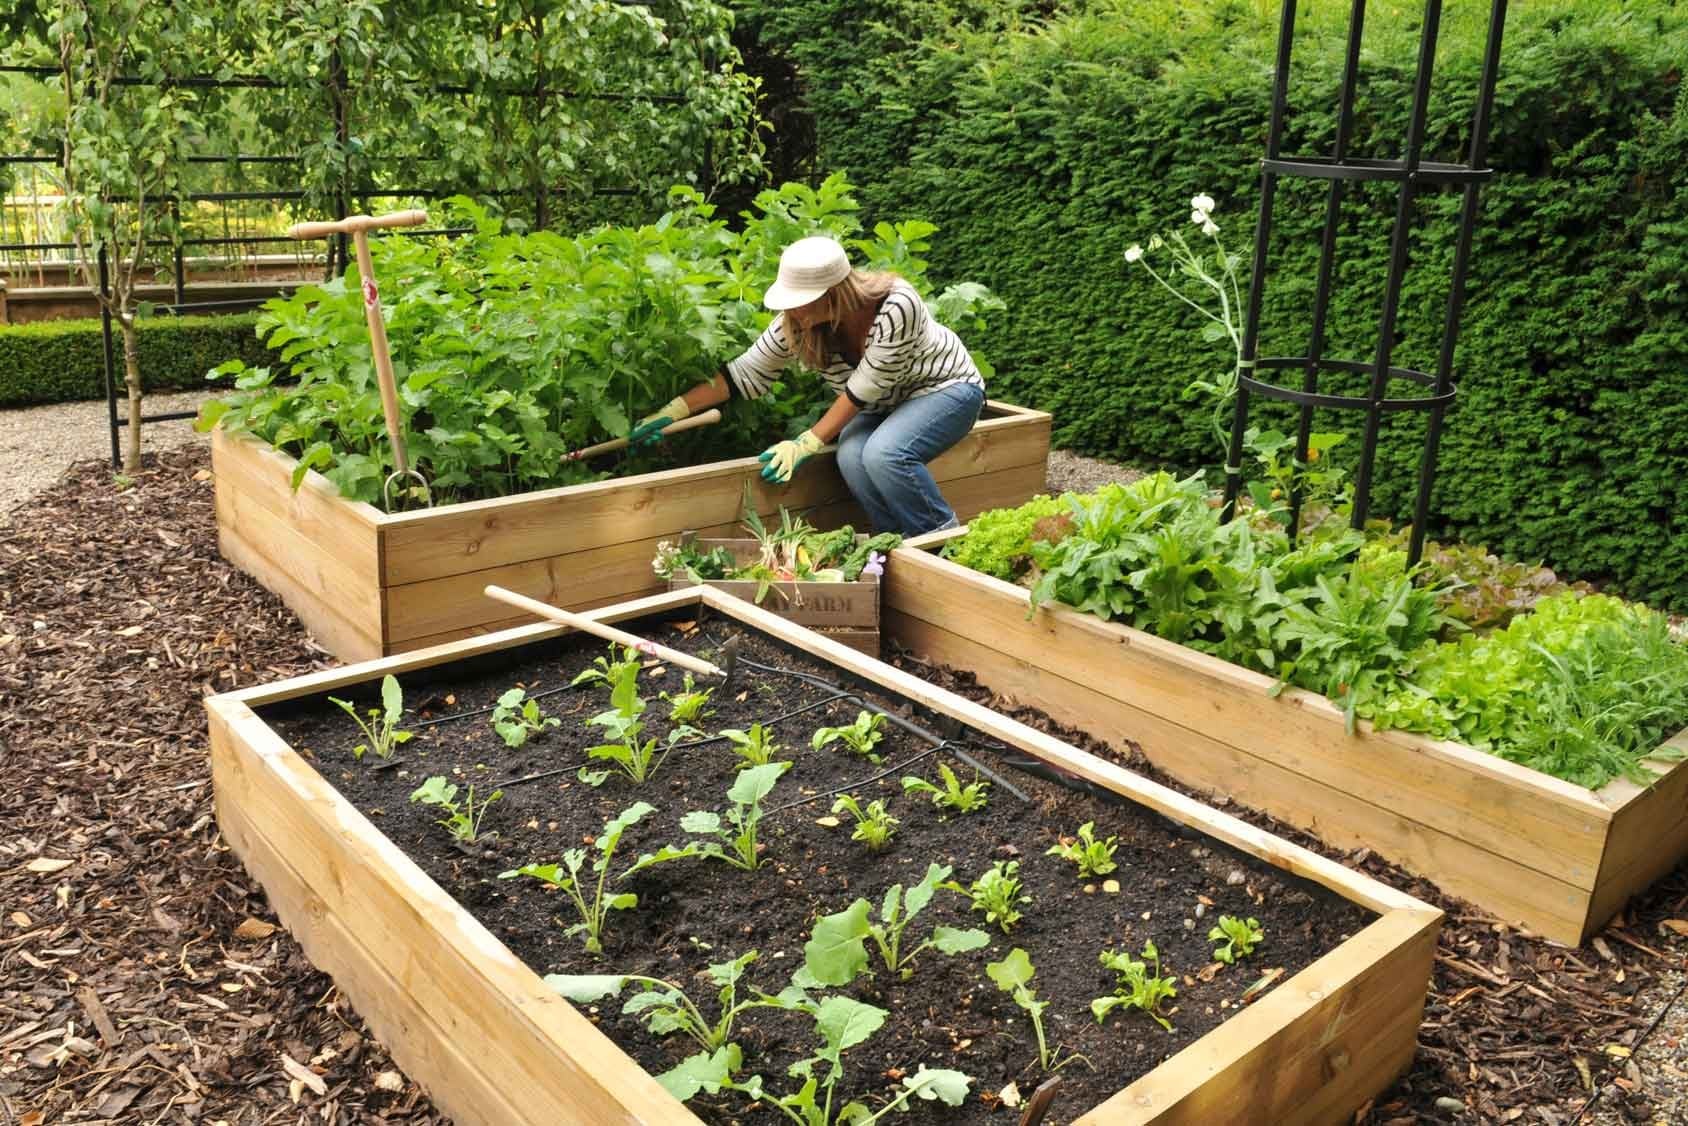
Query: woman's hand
pixel 780 460
pixel 648 430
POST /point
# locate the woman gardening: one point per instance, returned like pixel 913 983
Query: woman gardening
pixel 907 389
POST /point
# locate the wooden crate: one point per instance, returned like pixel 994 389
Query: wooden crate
pixel 846 612
pixel 1533 850
pixel 491 1044
pixel 367 583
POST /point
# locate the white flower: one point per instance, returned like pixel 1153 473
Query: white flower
pixel 1210 228
pixel 1203 202
pixel 1198 217
pixel 1133 252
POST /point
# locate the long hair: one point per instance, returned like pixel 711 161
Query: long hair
pixel 815 345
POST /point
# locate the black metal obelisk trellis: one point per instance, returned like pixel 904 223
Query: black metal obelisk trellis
pixel 1411 173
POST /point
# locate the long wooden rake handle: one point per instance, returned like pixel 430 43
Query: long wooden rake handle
pixel 354 224
pixel 607 632
pixel 707 418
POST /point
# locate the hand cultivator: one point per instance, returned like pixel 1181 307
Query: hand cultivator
pixel 359 226
pixel 707 418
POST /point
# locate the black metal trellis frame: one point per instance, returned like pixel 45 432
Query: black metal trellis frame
pixel 1412 173
pixel 339 91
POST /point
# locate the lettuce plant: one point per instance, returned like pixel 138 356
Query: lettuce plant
pixel 516 718
pixel 381 734
pixel 1139 987
pixel 874 826
pixel 755 747
pixel 1237 938
pixel 861 736
pixel 1093 857
pixel 462 820
pixel 731 836
pixel 837 949
pixel 688 705
pixel 996 893
pixel 593 911
pixel 953 795
pixel 1013 975
pixel 608 671
pixel 636 758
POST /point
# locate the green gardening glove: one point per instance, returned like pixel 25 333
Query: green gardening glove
pixel 780 460
pixel 648 430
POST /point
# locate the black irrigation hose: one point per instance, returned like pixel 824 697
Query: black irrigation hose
pixel 435 722
pixel 943 744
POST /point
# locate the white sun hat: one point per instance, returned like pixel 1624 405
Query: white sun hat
pixel 808 268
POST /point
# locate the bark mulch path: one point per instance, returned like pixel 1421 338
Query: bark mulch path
pixel 143 979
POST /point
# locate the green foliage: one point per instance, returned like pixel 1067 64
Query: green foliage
pixel 381 733
pixel 860 736
pixel 730 837
pixel 999 542
pixel 1013 975
pixel 462 819
pixel 633 757
pixel 996 893
pixel 516 718
pixel 1237 938
pixel 952 795
pixel 1093 857
pixel 874 825
pixel 594 912
pixel 689 704
pixel 609 670
pixel 836 952
pixel 1043 150
pixel 61 361
pixel 755 747
pixel 1139 986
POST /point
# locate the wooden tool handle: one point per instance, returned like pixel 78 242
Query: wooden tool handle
pixel 607 632
pixel 707 418
pixel 354 223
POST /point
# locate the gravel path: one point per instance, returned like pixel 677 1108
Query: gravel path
pixel 37 444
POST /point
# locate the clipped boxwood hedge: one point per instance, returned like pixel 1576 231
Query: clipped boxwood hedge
pixel 1042 153
pixel 61 361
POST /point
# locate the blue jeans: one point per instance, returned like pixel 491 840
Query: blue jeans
pixel 883 458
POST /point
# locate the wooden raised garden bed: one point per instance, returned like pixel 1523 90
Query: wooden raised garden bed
pixel 368 583
pixel 491 1043
pixel 1533 850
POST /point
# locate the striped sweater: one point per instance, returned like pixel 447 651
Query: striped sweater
pixel 908 354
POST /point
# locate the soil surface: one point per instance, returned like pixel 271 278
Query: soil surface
pixel 1170 885
pixel 143 978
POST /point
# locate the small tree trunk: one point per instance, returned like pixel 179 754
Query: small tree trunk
pixel 132 380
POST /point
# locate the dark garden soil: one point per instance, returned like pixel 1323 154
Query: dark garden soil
pixel 143 979
pixel 1169 886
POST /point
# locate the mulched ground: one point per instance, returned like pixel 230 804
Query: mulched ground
pixel 142 979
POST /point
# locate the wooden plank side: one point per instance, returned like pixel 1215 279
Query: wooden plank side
pixel 317 510
pixel 1561 828
pixel 553 1063
pixel 1649 836
pixel 489 533
pixel 1311 1050
pixel 1504 884
pixel 1239 834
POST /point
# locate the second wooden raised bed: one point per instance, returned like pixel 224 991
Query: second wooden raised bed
pixel 482 1033
pixel 368 583
pixel 1531 849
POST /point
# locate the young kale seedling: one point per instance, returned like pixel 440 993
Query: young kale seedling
pixel 463 821
pixel 754 747
pixel 1093 857
pixel 996 893
pixel 608 670
pixel 962 799
pixel 861 736
pixel 516 718
pixel 874 826
pixel 688 706
pixel 638 760
pixel 381 733
pixel 1238 938
pixel 594 912
pixel 837 949
pixel 1013 975
pixel 734 833
pixel 1138 987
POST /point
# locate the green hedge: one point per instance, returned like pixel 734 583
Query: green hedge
pixel 1043 153
pixel 60 361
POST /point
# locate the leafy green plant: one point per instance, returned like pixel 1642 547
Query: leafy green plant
pixel 734 834
pixel 688 705
pixel 593 912
pixel 996 893
pixel 608 671
pixel 637 759
pixel 874 825
pixel 754 747
pixel 462 820
pixel 1139 986
pixel 860 736
pixel 1237 938
pixel 999 542
pixel 1013 975
pixel 1288 477
pixel 1093 857
pixel 953 795
pixel 517 718
pixel 382 733
pixel 837 949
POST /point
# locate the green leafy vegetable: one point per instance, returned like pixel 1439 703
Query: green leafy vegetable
pixel 381 734
pixel 594 911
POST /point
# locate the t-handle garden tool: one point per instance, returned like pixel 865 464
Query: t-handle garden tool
pixel 592 626
pixel 707 418
pixel 359 226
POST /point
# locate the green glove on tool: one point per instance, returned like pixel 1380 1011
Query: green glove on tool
pixel 780 460
pixel 648 430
